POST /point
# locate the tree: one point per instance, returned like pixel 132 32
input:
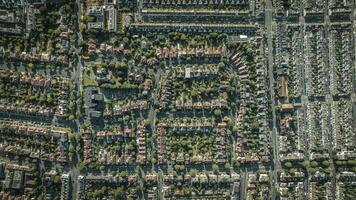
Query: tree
pixel 71 117
pixel 70 136
pixel 82 27
pixel 122 174
pixel 227 166
pixel 153 160
pixel 193 173
pixel 80 166
pixel 78 136
pixel 215 168
pixel 222 38
pixel 325 163
pixel 306 164
pixel 228 133
pixel 313 164
pixel 78 113
pixel 176 168
pixel 353 169
pixel 236 163
pixel 311 170
pixel 30 66
pixel 227 119
pixel 327 170
pixel 118 192
pixel 57 179
pixel 221 66
pixel 255 125
pixel 292 171
pixel 235 129
pixel 71 148
pixel 82 43
pixel 351 162
pixel 78 148
pixel 288 164
pixel 182 167
pixel 217 112
pixel 339 163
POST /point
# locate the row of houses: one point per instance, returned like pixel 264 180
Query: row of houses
pixel 241 124
pixel 111 158
pixel 200 105
pixel 32 130
pixel 246 97
pixel 88 151
pixel 343 188
pixel 247 29
pixel 196 72
pixel 109 51
pixel 288 139
pixel 236 61
pixel 317 120
pixel 141 143
pixel 131 106
pixel 25 108
pixel 161 144
pixel 59 154
pixel 23 78
pixel 340 56
pixel 65 186
pixel 292 184
pixel 88 183
pixel 209 177
pixel 101 2
pixel 184 125
pixel 15 130
pixel 62 107
pixel 320 190
pixel 290 177
pixel 42 57
pixel 57 86
pixel 166 85
pixel 261 100
pixel 126 132
pixel 33 80
pixel 315 65
pixel 196 2
pixel 292 189
pixel 186 158
pixel 97 179
pixel 64 37
pixel 343 133
pixel 176 52
pixel 258 186
pixel 220 154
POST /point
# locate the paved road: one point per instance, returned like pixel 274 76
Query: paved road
pixel 329 101
pixel 268 24
pixel 244 180
pixel 78 89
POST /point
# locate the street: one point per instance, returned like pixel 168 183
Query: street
pixel 274 136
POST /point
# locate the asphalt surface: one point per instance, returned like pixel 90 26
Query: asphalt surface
pixel 269 24
pixel 74 172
